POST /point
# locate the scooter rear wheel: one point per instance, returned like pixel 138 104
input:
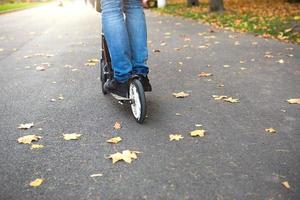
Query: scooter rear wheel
pixel 138 100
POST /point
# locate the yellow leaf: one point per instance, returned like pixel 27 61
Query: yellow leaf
pixel 231 100
pixel 297 18
pixel 72 136
pixel 37 182
pixel 96 175
pixel 199 133
pixel 217 97
pixel 28 139
pixel 270 130
pixel 126 156
pixel 117 126
pixel 181 94
pixel 286 184
pixel 288 30
pixel 281 61
pixel 294 101
pixel 204 74
pixel 40 68
pixel 114 140
pixel 176 137
pixel 25 126
pixel 36 146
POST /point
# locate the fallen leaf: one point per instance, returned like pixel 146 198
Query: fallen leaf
pixel 176 137
pixel 91 62
pixel 27 139
pixel 40 68
pixel 114 140
pixel 270 130
pixel 117 126
pixel 61 97
pixel 219 97
pixel 281 61
pixel 204 74
pixel 126 156
pixel 237 43
pixel 199 133
pixel 37 182
pixel 226 66
pixel 231 100
pixel 181 95
pixel 286 184
pixel 36 146
pixel 96 175
pixel 25 126
pixel 177 114
pixel 294 101
pixel 156 50
pixel 72 136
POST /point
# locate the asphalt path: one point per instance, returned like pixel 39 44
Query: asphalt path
pixel 236 159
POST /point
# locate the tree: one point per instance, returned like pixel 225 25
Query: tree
pixel 192 2
pixel 216 5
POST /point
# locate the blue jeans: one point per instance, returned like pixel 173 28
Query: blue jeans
pixel 126 37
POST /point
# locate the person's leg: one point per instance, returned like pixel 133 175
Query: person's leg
pixel 115 32
pixel 137 33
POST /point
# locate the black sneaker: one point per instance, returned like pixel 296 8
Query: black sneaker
pixel 145 82
pixel 116 87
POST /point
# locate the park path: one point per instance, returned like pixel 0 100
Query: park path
pixel 236 159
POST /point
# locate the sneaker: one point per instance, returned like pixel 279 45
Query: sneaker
pixel 115 87
pixel 145 82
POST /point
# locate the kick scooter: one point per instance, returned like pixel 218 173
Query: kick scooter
pixel 136 94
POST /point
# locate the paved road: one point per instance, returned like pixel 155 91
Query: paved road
pixel 236 159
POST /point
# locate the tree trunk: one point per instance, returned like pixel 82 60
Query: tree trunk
pixel 216 5
pixel 192 2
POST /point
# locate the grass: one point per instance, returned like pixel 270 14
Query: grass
pixel 17 6
pixel 281 26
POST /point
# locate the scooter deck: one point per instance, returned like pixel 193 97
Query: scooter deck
pixel 119 98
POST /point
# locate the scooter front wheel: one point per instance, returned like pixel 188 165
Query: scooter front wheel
pixel 138 100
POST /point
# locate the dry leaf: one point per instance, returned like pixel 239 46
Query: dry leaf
pixel 176 137
pixel 270 130
pixel 199 133
pixel 219 97
pixel 117 126
pixel 286 184
pixel 25 126
pixel 37 182
pixel 72 136
pixel 28 139
pixel 231 100
pixel 36 146
pixel 294 101
pixel 281 61
pixel 181 95
pixel 204 74
pixel 40 68
pixel 126 156
pixel 96 175
pixel 114 140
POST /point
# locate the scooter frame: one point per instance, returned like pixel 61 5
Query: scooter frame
pixel 136 97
